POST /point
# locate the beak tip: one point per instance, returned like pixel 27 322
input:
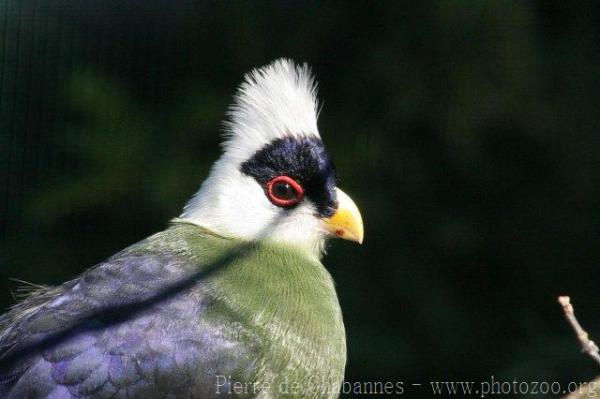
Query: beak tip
pixel 360 237
pixel 347 222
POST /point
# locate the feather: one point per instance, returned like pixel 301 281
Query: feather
pixel 275 101
pixel 168 315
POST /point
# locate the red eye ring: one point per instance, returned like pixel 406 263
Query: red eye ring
pixel 292 197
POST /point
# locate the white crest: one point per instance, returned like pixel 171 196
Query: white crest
pixel 274 101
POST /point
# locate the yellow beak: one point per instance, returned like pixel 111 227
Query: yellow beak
pixel 346 222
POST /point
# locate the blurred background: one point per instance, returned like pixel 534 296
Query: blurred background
pixel 468 132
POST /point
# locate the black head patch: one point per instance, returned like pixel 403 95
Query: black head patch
pixel 305 160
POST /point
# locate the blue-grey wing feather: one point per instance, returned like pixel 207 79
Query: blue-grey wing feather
pixel 126 328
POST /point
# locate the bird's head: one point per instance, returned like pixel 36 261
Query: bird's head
pixel 275 180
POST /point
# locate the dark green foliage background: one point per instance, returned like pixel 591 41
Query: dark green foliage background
pixel 467 131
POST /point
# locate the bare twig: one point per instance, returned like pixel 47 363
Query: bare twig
pixel 587 345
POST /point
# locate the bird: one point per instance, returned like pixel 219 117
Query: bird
pixel 230 299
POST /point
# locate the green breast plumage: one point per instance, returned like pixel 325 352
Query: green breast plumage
pixel 286 301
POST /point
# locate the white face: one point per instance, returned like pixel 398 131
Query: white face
pixel 234 204
pixel 275 101
pixel 274 180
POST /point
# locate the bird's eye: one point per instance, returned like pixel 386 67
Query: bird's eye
pixel 284 191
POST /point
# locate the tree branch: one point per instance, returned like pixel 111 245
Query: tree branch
pixel 587 345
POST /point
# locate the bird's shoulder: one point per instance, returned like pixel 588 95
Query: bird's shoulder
pixel 131 276
pixel 124 324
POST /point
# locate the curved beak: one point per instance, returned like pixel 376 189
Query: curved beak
pixel 346 222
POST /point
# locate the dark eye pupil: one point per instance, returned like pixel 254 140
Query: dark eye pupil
pixel 284 191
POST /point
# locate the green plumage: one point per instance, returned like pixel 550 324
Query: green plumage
pixel 196 313
pixel 286 300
